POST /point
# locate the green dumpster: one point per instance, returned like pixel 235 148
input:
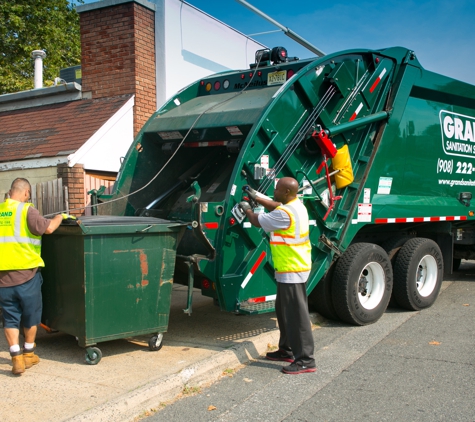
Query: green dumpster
pixel 109 277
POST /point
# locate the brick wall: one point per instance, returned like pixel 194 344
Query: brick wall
pixel 73 179
pixel 118 55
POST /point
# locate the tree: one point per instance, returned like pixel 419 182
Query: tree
pixel 49 25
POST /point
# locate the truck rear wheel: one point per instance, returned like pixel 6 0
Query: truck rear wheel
pixel 320 297
pixel 392 246
pixel 362 284
pixel 418 273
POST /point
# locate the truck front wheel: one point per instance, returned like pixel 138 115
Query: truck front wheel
pixel 362 284
pixel 418 273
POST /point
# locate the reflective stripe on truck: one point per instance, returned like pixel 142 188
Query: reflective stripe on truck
pixel 418 219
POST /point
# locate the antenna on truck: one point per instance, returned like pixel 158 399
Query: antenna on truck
pixel 287 31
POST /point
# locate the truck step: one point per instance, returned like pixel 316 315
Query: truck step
pixel 258 308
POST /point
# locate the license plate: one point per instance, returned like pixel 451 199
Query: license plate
pixel 277 78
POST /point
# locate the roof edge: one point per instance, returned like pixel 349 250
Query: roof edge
pixel 32 163
pixel 35 97
pixel 108 3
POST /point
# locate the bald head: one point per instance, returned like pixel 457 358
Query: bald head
pixel 286 190
pixel 289 183
pixel 20 190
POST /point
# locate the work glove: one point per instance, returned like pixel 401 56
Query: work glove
pixel 251 193
pixel 68 217
pixel 245 206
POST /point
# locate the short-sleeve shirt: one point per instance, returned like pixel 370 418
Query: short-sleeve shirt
pixel 37 225
pixel 280 220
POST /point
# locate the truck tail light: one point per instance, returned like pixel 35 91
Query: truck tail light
pixel 257 299
pixel 279 55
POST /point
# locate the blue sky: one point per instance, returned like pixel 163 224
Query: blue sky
pixel 441 32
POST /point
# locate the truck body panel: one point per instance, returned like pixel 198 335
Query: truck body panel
pixel 410 135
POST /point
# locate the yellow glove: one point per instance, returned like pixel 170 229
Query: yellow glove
pixel 68 217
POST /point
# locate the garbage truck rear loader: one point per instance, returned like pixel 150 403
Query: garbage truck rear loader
pixel 382 149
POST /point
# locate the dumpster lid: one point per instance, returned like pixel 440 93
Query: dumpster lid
pixel 114 220
pixel 111 224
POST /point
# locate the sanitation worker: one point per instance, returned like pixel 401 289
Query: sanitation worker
pixel 287 222
pixel 21 228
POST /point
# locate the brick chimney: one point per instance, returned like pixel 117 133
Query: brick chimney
pixel 118 53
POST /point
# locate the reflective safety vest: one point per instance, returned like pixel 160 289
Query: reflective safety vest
pixel 291 248
pixel 19 248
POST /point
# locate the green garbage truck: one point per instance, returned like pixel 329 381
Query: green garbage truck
pixel 382 148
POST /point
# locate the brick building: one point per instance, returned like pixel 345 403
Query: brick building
pixel 123 36
pixel 135 54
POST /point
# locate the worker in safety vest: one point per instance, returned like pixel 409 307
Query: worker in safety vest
pixel 287 222
pixel 21 227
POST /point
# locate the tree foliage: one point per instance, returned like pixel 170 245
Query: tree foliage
pixel 49 25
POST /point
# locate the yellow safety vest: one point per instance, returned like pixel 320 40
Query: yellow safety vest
pixel 291 248
pixel 19 248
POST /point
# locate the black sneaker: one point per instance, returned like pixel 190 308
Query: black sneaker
pixel 280 355
pixel 297 368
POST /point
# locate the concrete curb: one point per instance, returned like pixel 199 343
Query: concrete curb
pixel 150 396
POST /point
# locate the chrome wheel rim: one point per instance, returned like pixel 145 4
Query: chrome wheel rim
pixel 426 277
pixel 371 285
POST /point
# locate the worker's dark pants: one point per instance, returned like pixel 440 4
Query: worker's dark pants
pixel 294 322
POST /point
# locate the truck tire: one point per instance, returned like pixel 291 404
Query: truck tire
pixel 418 274
pixel 456 264
pixel 362 284
pixel 320 298
pixel 392 246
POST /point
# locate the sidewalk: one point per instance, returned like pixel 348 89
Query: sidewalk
pixel 130 378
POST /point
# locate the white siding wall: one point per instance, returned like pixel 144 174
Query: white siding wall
pixel 195 45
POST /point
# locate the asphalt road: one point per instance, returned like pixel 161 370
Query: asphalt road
pixel 409 366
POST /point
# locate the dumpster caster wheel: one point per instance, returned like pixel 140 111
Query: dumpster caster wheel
pixel 155 343
pixel 93 355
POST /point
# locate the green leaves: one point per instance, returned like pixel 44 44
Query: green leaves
pixel 49 25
